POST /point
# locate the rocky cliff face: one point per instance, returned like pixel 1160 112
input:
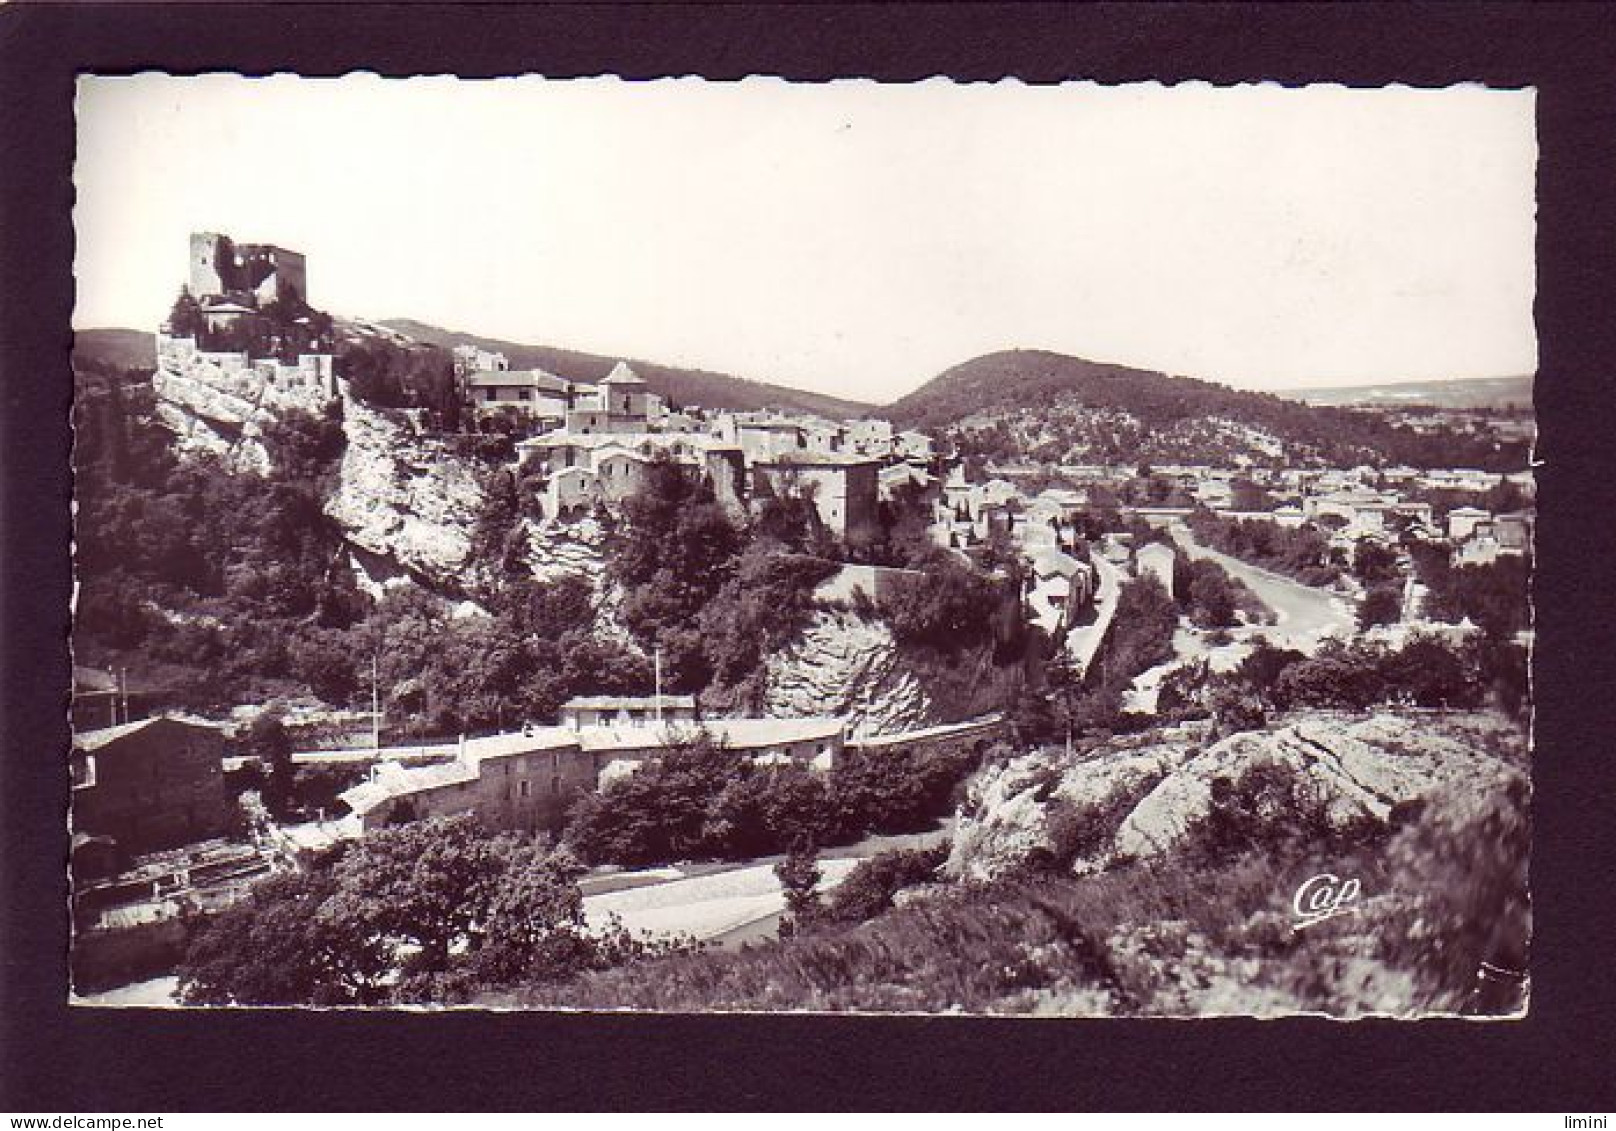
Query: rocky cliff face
pixel 557 549
pixel 404 500
pixel 843 665
pixel 1140 798
pixel 213 409
pixel 404 496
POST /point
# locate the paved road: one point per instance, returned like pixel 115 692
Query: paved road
pixel 1304 615
pixel 1083 641
pixel 725 904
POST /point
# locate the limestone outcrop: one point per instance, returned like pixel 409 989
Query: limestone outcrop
pixel 402 495
pixel 213 406
pixel 1142 797
pixel 845 665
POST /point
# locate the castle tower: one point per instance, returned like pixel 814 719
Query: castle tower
pixel 212 257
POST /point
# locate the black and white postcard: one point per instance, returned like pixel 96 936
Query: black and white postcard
pixel 691 546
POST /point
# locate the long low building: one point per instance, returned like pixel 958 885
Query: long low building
pixel 526 780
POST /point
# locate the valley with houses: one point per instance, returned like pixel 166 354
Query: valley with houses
pixel 417 667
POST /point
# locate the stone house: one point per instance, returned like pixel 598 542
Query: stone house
pixel 532 392
pixel 1463 521
pixel 148 785
pixel 526 781
pixel 844 490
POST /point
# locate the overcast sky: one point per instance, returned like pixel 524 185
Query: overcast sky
pixel 854 239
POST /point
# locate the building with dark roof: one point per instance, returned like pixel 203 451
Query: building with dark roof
pixel 149 785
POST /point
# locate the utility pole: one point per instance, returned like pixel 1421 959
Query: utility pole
pixel 375 701
pixel 657 661
pixel 123 691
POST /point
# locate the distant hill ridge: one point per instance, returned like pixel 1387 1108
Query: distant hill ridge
pixel 1458 393
pixel 1049 407
pixel 1033 378
pixel 682 386
pixel 1036 383
pixel 116 348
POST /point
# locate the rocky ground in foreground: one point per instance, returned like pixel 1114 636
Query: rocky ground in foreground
pixel 1155 876
pixel 1138 798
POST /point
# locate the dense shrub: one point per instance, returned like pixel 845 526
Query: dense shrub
pixel 868 890
pixel 425 911
pixel 1212 597
pixel 948 608
pixel 1383 604
pixel 391 375
pixel 1301 552
pixel 1494 596
pixel 703 801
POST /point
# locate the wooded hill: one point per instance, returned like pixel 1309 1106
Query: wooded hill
pixel 1017 394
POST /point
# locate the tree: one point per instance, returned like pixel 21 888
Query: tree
pixel 422 911
pixel 1383 604
pixel 185 318
pixel 1336 677
pixel 266 739
pixel 1433 673
pixel 1262 667
pixel 870 887
pixel 1373 562
pixel 949 608
pixel 275 947
pixel 799 877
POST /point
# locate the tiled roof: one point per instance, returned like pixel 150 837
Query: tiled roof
pixel 621 374
pixel 517 379
pixel 630 702
pixel 95 739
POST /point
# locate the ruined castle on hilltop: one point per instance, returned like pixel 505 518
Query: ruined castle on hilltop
pixel 251 274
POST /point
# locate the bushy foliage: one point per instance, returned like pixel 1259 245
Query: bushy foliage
pixel 868 890
pixel 948 608
pixel 799 878
pixel 673 550
pixel 1494 596
pixel 763 606
pixel 390 375
pixel 1212 597
pixel 421 912
pixel 703 801
pixel 1426 671
pixel 1142 633
pixel 1383 604
pixel 1300 552
pixel 199 567
pixel 1374 563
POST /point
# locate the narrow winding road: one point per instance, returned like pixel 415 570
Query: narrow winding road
pixel 1304 615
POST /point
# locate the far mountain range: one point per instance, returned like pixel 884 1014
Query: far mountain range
pixel 994 381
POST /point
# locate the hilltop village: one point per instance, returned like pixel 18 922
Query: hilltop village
pixel 537 600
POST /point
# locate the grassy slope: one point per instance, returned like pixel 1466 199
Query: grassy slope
pixel 683 386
